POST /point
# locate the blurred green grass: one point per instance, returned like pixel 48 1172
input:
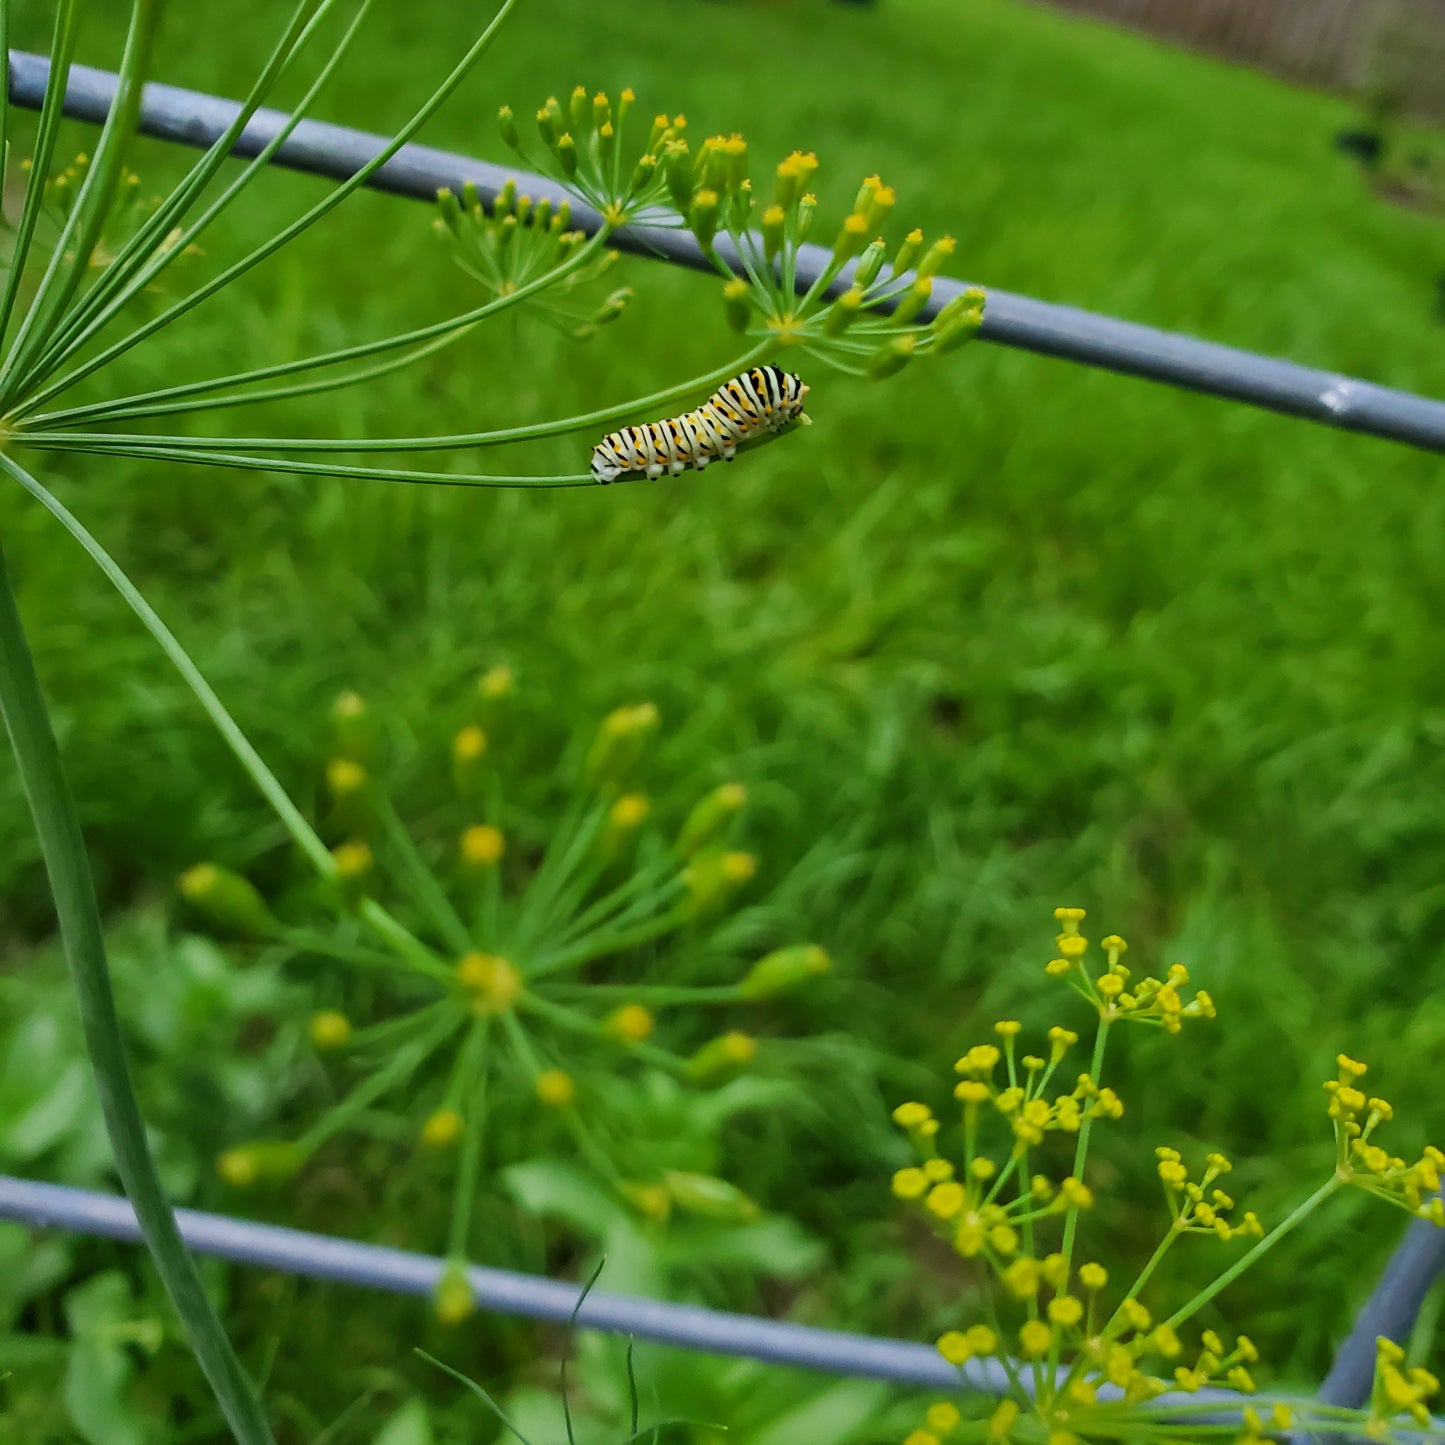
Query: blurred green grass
pixel 1004 633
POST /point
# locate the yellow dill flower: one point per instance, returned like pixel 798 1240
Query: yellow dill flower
pixel 1093 1277
pixel 345 778
pixel 492 982
pixel 945 1200
pixel 330 1029
pixel 1021 1278
pixel 482 846
pixel 954 1347
pixel 942 1417
pixel 1002 1420
pixel 1065 1310
pixel 630 1024
pixel 453 1300
pixel 556 1088
pixel 441 1129
pixel 911 1183
pixel 1035 1337
pixel 469 745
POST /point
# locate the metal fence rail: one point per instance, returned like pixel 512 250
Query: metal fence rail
pixel 1390 1311
pixel 320 1256
pixel 193 118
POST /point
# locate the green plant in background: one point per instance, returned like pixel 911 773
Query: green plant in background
pixel 1083 1362
pixel 518 970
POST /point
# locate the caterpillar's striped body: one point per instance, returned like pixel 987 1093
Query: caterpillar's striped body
pixel 764 399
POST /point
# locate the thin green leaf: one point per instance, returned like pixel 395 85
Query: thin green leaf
pixel 37 757
pixel 303 222
pixel 62 49
pixel 70 261
pixel 140 246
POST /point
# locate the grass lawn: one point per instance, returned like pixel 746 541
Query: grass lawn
pixel 999 634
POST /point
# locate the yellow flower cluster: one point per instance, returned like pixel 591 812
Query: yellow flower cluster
pixel 1398 1390
pixel 1195 1205
pixel 1151 1000
pixel 1356 1116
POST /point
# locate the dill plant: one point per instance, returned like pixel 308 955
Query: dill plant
pixel 516 978
pixel 1074 1357
pixel 93 275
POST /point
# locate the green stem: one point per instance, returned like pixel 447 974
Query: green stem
pixel 402 1063
pixel 1081 1150
pixel 62 846
pixel 1276 1234
pixel 457 441
pixel 177 398
pixel 290 815
pixel 470 1167
pixel 427 894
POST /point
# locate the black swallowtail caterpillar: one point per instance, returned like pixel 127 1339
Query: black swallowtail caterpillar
pixel 764 399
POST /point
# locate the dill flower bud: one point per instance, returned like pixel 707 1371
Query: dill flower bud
pixel 613 305
pixel 349 786
pixel 737 308
pixel 619 741
pixel 677 169
pixel 262 1161
pixel 453 1300
pixel 709 816
pixel 482 846
pixel 468 748
pixel 843 311
pixel 784 969
pixel 630 1024
pixel 703 217
pixel 352 734
pixel 709 1197
pixel 353 862
pixel 891 357
pixel 642 173
pixel 330 1030
pixel 850 239
pixel 712 878
pixel 555 1088
pixel 226 901
pixel 774 220
pixel 492 983
pixel 722 1057
pixel 865 273
pixel 579 109
pixel 507 124
pixel 441 1129
pixel 566 150
pixel 652 1201
pixel 935 257
pixel 914 300
pixel 907 252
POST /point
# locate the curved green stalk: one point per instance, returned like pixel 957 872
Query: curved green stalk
pixel 171 399
pixel 457 441
pixel 63 848
pixel 305 837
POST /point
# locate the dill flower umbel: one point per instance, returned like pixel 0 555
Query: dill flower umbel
pixel 504 969
pixel 1083 1359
